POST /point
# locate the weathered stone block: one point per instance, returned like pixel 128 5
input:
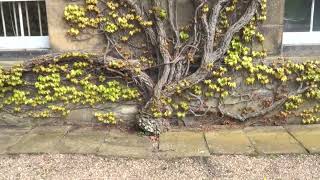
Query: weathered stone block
pixel 80 116
pixel 126 145
pixel 59 40
pixel 35 122
pixel 273 140
pixel 124 112
pixel 10 136
pixel 301 51
pixel 40 140
pixel 7 119
pixel 275 12
pixel 226 141
pixel 83 141
pixel 273 39
pixel 308 136
pixel 183 144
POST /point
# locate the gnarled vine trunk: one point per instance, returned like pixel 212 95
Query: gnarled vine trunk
pixel 176 66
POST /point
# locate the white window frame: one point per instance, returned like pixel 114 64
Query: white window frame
pixel 303 38
pixel 25 41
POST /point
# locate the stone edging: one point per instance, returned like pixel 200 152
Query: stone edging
pixel 173 144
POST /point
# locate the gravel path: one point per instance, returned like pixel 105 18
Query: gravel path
pixel 216 167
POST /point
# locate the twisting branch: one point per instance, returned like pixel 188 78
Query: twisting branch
pixel 263 111
pixel 173 54
pixel 195 21
pixel 213 20
pixel 208 57
pixel 180 69
pixel 172 10
pixel 163 45
pixel 236 27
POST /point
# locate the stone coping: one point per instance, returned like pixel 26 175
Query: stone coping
pixel 293 139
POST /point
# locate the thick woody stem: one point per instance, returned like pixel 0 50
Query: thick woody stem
pixel 172 10
pixel 180 69
pixel 212 24
pixel 163 46
pixel 211 57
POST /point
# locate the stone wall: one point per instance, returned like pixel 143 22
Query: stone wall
pixel 272 28
pixel 125 114
pixel 59 40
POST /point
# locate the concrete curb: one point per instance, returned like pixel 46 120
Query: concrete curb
pixel 174 144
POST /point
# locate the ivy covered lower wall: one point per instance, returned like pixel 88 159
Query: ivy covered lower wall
pixel 66 88
pixel 125 114
pixel 214 70
pixel 28 97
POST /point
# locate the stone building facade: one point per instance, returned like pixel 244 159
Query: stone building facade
pixel 274 29
pixel 288 33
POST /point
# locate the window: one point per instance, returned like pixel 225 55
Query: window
pixel 23 25
pixel 302 22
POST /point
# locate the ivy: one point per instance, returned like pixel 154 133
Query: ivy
pixel 119 19
pixel 76 79
pixel 60 86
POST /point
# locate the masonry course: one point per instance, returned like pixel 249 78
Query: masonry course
pixel 173 144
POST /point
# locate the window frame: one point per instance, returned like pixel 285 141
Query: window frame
pixel 303 38
pixel 22 42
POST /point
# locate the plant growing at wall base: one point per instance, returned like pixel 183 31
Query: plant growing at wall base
pixel 176 67
pixel 188 63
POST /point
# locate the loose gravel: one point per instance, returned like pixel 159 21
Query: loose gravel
pixel 46 166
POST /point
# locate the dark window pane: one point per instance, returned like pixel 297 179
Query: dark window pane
pixel 9 18
pixel 316 20
pixel 24 15
pixel 16 15
pixel 297 15
pixel 1 24
pixel 33 18
pixel 44 18
pixel 29 11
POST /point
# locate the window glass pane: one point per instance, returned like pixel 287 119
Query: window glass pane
pixel 33 18
pixel 33 25
pixel 44 18
pixel 316 20
pixel 24 6
pixel 9 18
pixel 16 15
pixel 297 15
pixel 1 23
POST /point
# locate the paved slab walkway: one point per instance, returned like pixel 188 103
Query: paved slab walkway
pixel 173 144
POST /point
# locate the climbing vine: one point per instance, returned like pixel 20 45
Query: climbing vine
pixel 173 70
pixel 58 85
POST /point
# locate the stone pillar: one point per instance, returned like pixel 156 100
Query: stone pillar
pixel 57 31
pixel 272 28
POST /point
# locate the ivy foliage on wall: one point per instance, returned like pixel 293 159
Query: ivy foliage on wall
pixel 173 72
pixel 58 84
